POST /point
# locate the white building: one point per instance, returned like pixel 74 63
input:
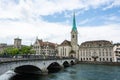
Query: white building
pixel 100 50
pixel 44 48
pixel 116 50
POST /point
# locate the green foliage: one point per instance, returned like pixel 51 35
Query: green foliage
pixel 15 51
pixel 11 51
pixel 26 50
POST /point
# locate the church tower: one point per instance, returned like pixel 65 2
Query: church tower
pixel 74 39
pixel 17 43
pixel 74 33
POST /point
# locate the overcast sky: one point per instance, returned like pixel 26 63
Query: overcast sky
pixel 51 20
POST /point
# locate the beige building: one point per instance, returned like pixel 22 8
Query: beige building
pixel 45 48
pixel 99 50
pixel 70 48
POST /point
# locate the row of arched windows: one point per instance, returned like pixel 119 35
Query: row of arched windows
pixel 99 59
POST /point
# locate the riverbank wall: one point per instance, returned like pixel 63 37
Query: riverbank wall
pixel 100 63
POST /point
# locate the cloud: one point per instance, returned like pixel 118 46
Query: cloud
pixel 114 3
pixel 26 9
pixel 104 32
pixel 44 30
pixel 110 18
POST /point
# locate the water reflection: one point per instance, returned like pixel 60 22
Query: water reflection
pixel 25 77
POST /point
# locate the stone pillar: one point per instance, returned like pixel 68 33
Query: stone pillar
pixel 44 71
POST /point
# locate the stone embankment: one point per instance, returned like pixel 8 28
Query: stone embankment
pixel 100 63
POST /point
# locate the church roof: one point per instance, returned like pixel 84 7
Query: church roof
pixel 65 43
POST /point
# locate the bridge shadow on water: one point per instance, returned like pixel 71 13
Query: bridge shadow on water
pixel 25 77
pixel 29 72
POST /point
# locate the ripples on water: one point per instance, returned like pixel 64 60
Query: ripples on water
pixel 76 72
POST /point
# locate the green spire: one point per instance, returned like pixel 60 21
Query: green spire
pixel 74 23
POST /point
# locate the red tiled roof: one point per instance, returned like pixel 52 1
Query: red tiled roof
pixel 49 44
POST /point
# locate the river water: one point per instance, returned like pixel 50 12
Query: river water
pixel 76 72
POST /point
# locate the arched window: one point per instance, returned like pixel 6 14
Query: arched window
pixel 73 36
pixel 100 59
pixel 103 59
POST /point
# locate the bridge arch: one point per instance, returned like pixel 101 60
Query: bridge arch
pixel 72 62
pixel 28 69
pixel 54 67
pixel 66 64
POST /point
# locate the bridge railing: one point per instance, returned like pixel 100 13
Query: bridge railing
pixel 3 60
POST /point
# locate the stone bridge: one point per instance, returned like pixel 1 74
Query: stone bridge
pixel 35 66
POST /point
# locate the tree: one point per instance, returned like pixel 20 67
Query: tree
pixel 11 51
pixel 32 51
pixel 26 50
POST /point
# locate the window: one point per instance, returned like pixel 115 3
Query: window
pixel 65 51
pixel 81 59
pixel 72 36
pixel 103 59
pixel 110 59
pixel 106 53
pixel 89 58
pixel 110 54
pixel 107 59
pixel 100 59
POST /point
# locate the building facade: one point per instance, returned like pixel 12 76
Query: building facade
pixel 70 48
pixel 99 50
pixel 45 48
pixel 64 48
pixel 116 50
pixel 2 47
